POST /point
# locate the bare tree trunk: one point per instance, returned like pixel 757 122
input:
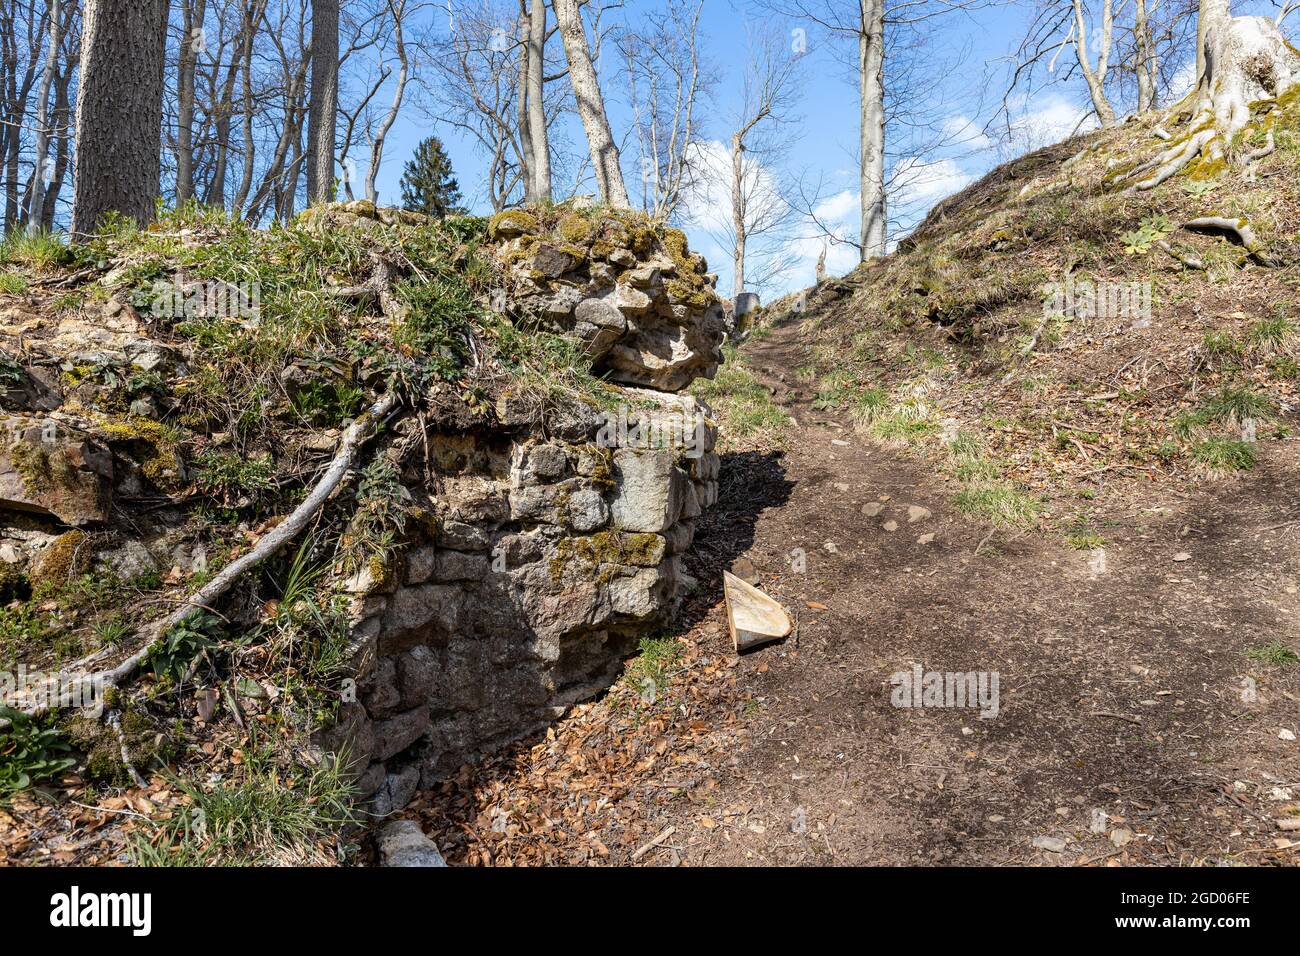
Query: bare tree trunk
pixel 324 100
pixel 36 197
pixel 539 180
pixel 119 111
pixel 249 143
pixel 522 122
pixel 1212 13
pixel 871 65
pixel 738 211
pixel 62 119
pixel 1211 24
pixel 398 10
pixel 1145 67
pixel 192 41
pixel 1096 79
pixel 591 105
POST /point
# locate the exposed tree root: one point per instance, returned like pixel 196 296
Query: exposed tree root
pixel 1247 61
pixel 1238 227
pixel 356 435
pixel 1190 261
pixel 1170 162
pixel 114 720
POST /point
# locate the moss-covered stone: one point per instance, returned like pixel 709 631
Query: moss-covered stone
pixel 65 559
pixel 605 549
pixel 153 442
pixel 576 229
pixel 512 222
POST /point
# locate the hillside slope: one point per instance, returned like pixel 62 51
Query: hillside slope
pixel 1043 334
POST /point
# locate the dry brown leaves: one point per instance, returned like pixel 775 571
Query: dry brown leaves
pixel 592 791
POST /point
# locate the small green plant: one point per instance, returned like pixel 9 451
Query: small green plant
pixel 266 814
pixel 11 283
pixel 182 644
pixel 1152 230
pixel 1275 654
pixel 39 251
pixel 112 630
pixel 1234 404
pixel 1199 188
pixel 380 518
pixel 235 480
pixel 11 370
pixel 1225 454
pixel 908 421
pixel 1222 345
pixel 30 752
pixel 1284 368
pixel 999 503
pixel 1271 335
pixel 1085 539
pixel 868 404
pixel 650 669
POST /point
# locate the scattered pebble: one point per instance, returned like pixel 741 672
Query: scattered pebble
pixel 890 526
pixel 1285 734
pixel 1182 556
pixel 1050 843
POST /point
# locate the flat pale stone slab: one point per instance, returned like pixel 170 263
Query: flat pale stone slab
pixel 753 617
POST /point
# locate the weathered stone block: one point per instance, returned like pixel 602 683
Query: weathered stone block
pixel 379 690
pixel 50 468
pixel 417 676
pixel 460 566
pixel 649 493
pixel 396 791
pixel 395 734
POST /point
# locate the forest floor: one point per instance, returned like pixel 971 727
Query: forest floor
pixel 1149 700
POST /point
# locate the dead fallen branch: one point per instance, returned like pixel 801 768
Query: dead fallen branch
pixel 357 434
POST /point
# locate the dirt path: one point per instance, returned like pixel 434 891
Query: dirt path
pixel 1132 727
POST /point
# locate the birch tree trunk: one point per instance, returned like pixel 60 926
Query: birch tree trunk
pixel 1096 78
pixel 591 104
pixel 119 111
pixel 324 100
pixel 1146 59
pixel 540 173
pixel 36 196
pixel 871 66
pixel 738 212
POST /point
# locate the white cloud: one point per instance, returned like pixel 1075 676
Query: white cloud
pixel 917 182
pixel 961 131
pixel 1183 81
pixel 1045 121
pixel 836 207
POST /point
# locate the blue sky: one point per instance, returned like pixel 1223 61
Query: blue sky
pixel 964 59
